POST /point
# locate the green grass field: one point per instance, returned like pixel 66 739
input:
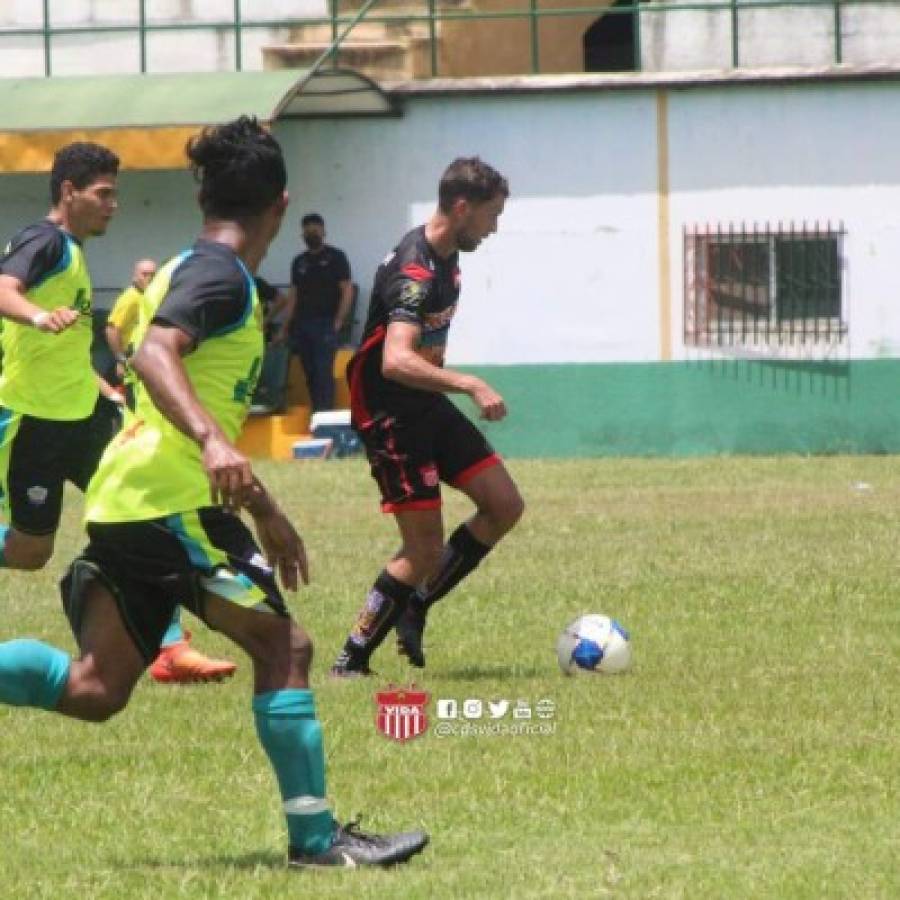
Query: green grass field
pixel 751 752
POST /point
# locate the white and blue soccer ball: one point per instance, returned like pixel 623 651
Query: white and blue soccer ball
pixel 594 644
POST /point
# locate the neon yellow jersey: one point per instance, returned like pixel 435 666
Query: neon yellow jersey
pixel 125 313
pixel 126 316
pixel 151 469
pixel 49 376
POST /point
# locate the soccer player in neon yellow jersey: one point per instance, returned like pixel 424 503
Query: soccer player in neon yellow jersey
pixel 52 429
pixel 162 510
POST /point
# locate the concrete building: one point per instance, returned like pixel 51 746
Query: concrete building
pixel 641 294
pixel 471 37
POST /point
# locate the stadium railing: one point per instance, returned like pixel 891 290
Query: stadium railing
pixel 141 24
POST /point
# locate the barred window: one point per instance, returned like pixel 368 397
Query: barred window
pixel 770 288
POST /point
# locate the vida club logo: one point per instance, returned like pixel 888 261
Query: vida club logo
pixel 401 712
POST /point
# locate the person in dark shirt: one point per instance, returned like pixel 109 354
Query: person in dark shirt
pixel 414 436
pixel 321 295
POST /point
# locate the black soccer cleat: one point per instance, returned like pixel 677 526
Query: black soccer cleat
pixel 410 628
pixel 352 847
pixel 347 667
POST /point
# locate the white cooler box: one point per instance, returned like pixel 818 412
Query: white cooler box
pixel 335 425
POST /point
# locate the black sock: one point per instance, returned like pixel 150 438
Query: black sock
pixel 461 556
pixel 385 603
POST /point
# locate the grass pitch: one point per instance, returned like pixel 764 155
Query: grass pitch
pixel 752 751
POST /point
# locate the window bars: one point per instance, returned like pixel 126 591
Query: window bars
pixel 770 288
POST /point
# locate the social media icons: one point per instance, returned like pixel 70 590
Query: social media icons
pixel 494 716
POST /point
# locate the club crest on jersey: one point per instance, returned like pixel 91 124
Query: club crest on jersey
pixel 429 475
pixel 82 302
pixel 436 321
pixel 401 712
pixel 37 495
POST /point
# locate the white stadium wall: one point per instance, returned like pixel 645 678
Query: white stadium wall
pixel 570 276
pixel 566 306
pixel 798 154
pixel 573 273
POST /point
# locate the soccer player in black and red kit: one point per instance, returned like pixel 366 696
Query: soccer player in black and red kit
pixel 415 437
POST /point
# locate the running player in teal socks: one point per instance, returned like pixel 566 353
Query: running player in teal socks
pixel 162 510
pixel 53 427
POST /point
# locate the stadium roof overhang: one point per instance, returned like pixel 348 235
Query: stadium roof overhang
pixel 147 119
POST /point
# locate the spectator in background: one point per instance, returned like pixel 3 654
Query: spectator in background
pixel 320 298
pixel 122 320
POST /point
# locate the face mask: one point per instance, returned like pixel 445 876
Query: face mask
pixel 313 241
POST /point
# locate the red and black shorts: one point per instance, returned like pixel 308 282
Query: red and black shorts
pixel 411 455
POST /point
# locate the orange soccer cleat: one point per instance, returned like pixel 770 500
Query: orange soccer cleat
pixel 179 663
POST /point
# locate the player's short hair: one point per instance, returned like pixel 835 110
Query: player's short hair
pixel 81 163
pixel 312 218
pixel 239 166
pixel 471 178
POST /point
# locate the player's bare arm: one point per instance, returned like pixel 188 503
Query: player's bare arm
pixel 116 345
pixel 404 361
pixel 344 304
pixel 282 544
pixel 16 307
pixel 158 365
pixel 108 391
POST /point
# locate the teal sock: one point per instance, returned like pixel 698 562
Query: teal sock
pixel 32 674
pixel 292 738
pixel 4 531
pixel 174 633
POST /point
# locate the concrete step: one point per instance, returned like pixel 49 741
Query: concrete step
pixel 408 57
pixel 349 7
pixel 273 437
pixel 363 31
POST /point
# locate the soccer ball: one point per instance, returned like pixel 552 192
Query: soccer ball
pixel 594 644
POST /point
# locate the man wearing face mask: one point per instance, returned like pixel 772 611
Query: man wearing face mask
pixel 320 298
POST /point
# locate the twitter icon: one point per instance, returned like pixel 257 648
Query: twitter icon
pixel 499 709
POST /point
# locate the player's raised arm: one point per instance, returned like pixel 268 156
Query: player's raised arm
pixel 158 364
pixel 16 306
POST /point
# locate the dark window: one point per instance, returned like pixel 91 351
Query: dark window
pixel 772 287
pixel 609 42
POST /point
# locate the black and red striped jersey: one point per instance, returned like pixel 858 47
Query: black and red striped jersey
pixel 413 285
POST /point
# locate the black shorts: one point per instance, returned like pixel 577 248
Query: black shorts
pixel 38 456
pixel 153 566
pixel 411 456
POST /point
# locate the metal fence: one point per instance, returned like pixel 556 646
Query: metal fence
pixel 765 287
pixel 343 22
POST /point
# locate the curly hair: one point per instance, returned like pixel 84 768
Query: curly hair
pixel 81 163
pixel 239 166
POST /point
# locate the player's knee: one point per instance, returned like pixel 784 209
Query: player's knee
pixel 108 703
pixel 507 509
pixel 97 700
pixel 283 650
pixel 28 555
pixel 301 650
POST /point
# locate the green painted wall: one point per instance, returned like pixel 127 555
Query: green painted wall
pixel 696 408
